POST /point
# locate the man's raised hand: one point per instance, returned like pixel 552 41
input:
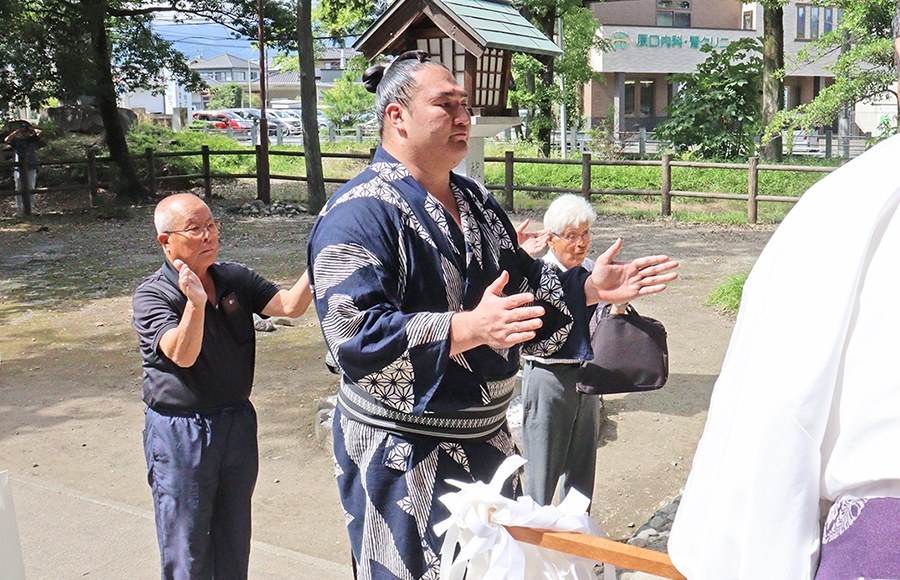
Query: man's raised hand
pixel 190 284
pixel 620 282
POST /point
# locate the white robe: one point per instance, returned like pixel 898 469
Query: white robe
pixel 807 405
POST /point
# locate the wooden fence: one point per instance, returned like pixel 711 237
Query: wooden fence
pixel 666 193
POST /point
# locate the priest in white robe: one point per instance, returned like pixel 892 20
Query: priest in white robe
pixel 807 406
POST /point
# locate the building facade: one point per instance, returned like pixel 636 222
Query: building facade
pixel 653 39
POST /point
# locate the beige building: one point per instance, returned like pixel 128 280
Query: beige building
pixel 653 39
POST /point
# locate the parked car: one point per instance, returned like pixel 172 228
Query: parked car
pixel 296 115
pixel 223 120
pixel 295 122
pixel 272 123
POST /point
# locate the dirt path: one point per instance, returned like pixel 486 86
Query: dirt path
pixel 70 409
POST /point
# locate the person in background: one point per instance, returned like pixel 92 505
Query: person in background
pixel 194 320
pixel 560 426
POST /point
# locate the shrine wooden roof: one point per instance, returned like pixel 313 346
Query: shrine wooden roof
pixel 476 24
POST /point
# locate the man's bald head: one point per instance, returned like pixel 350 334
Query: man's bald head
pixel 171 209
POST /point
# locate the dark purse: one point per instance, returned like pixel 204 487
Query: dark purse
pixel 630 354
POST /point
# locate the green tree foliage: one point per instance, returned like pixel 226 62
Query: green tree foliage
pixel 342 18
pixel 865 67
pixel 717 111
pixel 537 86
pixel 349 103
pixel 93 50
pixel 228 96
pixel 580 38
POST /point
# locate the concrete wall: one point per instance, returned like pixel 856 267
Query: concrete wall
pixel 704 13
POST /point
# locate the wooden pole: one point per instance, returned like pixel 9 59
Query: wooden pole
pixel 509 167
pixel 753 190
pixel 151 171
pixel 586 176
pixel 207 180
pixel 92 176
pixel 667 184
pixel 600 550
pixel 263 186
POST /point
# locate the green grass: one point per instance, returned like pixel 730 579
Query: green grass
pixel 733 181
pixel 727 295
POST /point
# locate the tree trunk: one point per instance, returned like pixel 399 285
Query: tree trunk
pixel 315 180
pixel 125 182
pixel 545 128
pixel 773 87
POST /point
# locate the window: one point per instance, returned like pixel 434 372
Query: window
pixel 240 76
pixel 640 96
pixel 220 75
pixel 814 22
pixel 829 14
pixel 801 20
pixel 647 97
pixel 748 21
pixel 629 97
pixel 673 13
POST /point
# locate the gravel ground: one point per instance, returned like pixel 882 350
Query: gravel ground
pixel 70 409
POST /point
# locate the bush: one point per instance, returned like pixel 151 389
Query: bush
pixel 727 295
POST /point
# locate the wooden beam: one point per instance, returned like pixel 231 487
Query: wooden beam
pixel 391 31
pixel 606 551
pixel 450 28
pixel 469 75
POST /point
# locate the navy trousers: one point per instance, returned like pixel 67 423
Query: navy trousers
pixel 202 469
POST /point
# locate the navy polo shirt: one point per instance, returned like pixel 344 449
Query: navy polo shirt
pixel 222 375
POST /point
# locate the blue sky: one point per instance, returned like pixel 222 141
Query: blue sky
pixel 205 39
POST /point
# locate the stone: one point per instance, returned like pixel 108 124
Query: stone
pixel 658 522
pixel 639 542
pixel 262 324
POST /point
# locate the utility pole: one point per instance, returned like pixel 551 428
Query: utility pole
pixel 563 142
pixel 263 190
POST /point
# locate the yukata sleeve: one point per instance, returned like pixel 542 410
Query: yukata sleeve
pixel 565 330
pixel 360 256
pixel 564 333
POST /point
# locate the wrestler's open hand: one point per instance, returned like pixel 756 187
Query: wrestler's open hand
pixel 498 321
pixel 190 284
pixel 619 282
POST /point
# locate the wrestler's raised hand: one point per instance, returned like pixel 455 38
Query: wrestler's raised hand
pixel 498 321
pixel 619 282
pixel 190 284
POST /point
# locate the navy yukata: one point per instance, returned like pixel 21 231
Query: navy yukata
pixel 389 267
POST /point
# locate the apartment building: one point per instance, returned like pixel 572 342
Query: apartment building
pixel 653 39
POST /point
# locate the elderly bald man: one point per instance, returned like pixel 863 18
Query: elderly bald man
pixel 194 319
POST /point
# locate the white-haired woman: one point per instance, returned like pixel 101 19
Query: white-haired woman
pixel 560 426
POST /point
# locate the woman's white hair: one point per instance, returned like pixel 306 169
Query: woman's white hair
pixel 566 211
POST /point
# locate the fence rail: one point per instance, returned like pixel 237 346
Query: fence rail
pixel 666 192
